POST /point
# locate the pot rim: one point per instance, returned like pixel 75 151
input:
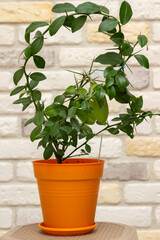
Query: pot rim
pixel 42 161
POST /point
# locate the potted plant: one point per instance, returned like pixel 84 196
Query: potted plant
pixel 68 186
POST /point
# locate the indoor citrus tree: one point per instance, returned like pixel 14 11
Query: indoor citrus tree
pixel 70 117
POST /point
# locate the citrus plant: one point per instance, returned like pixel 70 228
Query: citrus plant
pixel 70 117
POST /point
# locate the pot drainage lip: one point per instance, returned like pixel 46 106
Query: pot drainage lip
pixel 66 231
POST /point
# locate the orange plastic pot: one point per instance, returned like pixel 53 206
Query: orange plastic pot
pixel 68 194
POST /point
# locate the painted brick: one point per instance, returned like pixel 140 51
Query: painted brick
pixel 19 194
pixel 157 124
pixel 63 36
pixel 147 10
pixel 142 193
pixel 8 31
pixel 155 33
pixel 24 172
pixel 6 216
pixel 143 147
pixel 6 104
pixel 109 193
pixel 6 81
pixel 23 11
pixel 6 171
pixel 127 171
pixel 153 234
pixel 139 79
pixel 28 215
pixel 151 101
pixel 9 57
pixel 156 170
pixel 157 215
pixel 9 126
pixel 78 57
pixel 111 147
pixel 156 80
pixel 26 149
pixel 131 31
pixel 134 216
pixel 26 130
pixel 145 128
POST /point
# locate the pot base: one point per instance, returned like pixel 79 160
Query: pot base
pixel 66 231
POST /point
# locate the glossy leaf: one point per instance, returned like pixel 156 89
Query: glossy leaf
pixel 37 45
pixel 111 91
pixel 75 124
pixel 126 49
pixel 118 38
pixel 71 90
pixel 33 84
pixel 33 26
pixel 107 25
pixel 54 109
pixel 63 7
pixel 82 91
pixel 142 40
pixel 78 23
pixel 28 52
pixel 72 112
pixel 59 99
pixel 56 25
pixel 39 118
pixel 125 12
pixel 88 148
pixel 109 81
pixel 137 104
pixel 35 132
pixel 143 61
pixel 99 113
pixel 18 75
pixel 39 61
pixel 88 8
pixel 104 9
pixel 37 76
pixel 111 58
pixel 121 81
pixel 36 95
pixel 48 152
pixel 109 72
pixel 17 90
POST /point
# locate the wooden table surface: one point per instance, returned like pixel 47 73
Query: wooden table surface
pixel 104 231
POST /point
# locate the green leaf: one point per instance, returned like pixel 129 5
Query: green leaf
pixel 54 109
pixel 64 135
pixel 142 40
pixel 72 112
pixel 59 99
pixel 109 72
pixel 111 58
pixel 121 81
pixel 37 45
pixel 99 93
pixel 85 106
pixel 107 25
pixel 126 49
pixel 29 121
pixel 56 25
pixel 143 61
pixel 36 95
pixel 137 104
pixel 109 81
pixel 38 120
pixel 66 128
pixel 27 37
pixel 88 148
pixel 17 90
pixel 118 38
pixel 23 100
pixel 63 7
pixel 39 61
pixel 78 23
pixel 18 75
pixel 113 131
pixel 48 152
pixel 99 113
pixel 82 91
pixel 54 130
pixel 33 84
pixel 85 117
pixel 88 8
pixel 70 90
pixel 37 76
pixel 33 26
pixel 104 9
pixel 75 124
pixel 35 132
pixel 111 91
pixel 125 12
pixel 28 52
